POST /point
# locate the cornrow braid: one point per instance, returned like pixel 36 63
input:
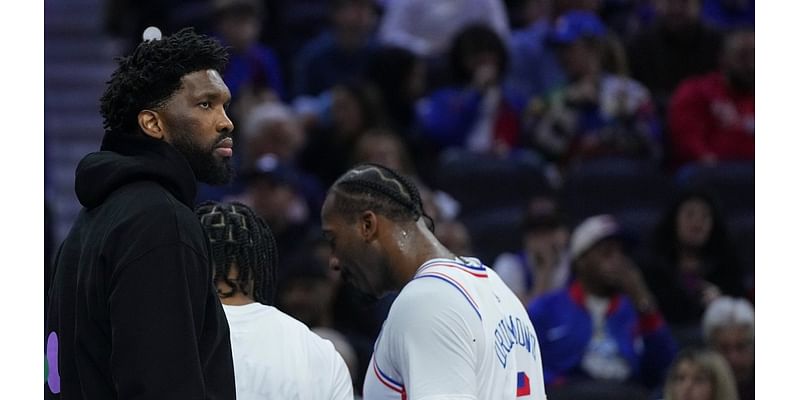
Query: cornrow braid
pixel 381 189
pixel 239 237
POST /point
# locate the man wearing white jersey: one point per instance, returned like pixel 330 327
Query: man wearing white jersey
pixel 274 355
pixel 455 331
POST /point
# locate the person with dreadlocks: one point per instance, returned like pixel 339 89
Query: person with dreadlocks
pixel 455 329
pixel 132 310
pixel 275 356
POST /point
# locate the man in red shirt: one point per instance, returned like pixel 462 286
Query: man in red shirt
pixel 712 117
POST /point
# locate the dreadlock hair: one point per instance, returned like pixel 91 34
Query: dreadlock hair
pixel 238 236
pixel 151 75
pixel 380 189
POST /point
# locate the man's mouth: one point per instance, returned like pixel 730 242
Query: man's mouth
pixel 224 148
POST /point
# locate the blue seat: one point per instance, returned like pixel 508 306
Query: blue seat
pixel 628 188
pixel 481 182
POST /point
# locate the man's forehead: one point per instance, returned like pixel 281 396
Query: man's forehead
pixel 204 80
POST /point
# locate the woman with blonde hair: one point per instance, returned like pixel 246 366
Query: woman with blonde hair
pixel 700 374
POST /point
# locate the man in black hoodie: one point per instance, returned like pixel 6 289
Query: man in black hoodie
pixel 132 310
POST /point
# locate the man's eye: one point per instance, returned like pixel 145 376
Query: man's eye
pixel 205 104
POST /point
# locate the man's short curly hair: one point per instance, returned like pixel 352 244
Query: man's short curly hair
pixel 151 75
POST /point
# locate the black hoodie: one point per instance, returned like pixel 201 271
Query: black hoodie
pixel 133 313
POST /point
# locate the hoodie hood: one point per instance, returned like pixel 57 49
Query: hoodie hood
pixel 125 159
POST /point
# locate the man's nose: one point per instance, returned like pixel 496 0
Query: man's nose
pixel 333 263
pixel 225 124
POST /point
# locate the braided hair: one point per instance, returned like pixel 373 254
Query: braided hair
pixel 239 237
pixel 152 74
pixel 380 189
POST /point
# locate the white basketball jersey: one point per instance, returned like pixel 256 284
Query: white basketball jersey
pixel 456 331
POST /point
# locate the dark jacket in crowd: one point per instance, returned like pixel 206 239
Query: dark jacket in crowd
pixel 132 311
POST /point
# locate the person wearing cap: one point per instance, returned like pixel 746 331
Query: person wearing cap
pixel 284 197
pixel 598 112
pixel 604 329
pixel 729 327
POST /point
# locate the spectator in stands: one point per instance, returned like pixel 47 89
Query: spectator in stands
pixel 699 374
pixel 690 261
pixel 254 71
pixel 340 54
pixel 596 113
pixel 245 260
pixel 427 28
pixel 729 326
pixel 285 198
pixel 455 236
pixel 712 117
pixel 353 108
pixel 533 70
pixel 272 128
pixel 269 128
pixel 399 76
pixel 384 147
pixel 542 265
pixel 475 113
pixel 604 329
pixel 677 46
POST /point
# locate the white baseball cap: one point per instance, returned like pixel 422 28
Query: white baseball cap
pixel 591 231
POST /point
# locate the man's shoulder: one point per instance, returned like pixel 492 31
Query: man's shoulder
pixel 147 206
pixel 150 198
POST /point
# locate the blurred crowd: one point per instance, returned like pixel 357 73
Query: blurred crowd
pixel 598 154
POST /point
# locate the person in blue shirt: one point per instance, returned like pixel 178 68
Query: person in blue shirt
pixel 605 326
pixel 339 54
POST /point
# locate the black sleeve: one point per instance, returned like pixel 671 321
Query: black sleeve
pixel 169 335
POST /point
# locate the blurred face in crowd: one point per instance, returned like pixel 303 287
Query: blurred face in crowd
pixel 690 382
pixel 678 13
pixel 484 66
pixel 454 236
pixel 348 117
pixel 383 149
pixel 600 267
pixel 240 28
pixel 196 124
pixel 415 85
pixel 306 299
pixel 736 344
pixel 694 223
pixel 548 240
pixel 277 203
pixel 284 139
pixel 739 60
pixel 354 249
pixel 354 18
pixel 577 58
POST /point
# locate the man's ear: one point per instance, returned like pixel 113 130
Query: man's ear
pixel 151 124
pixel 368 225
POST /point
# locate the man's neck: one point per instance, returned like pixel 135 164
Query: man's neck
pixel 420 246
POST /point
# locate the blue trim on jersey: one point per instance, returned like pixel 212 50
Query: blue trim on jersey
pixel 474 307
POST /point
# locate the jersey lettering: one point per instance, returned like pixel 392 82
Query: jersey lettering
pixel 509 332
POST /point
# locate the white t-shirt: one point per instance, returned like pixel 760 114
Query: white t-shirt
pixel 277 357
pixel 456 331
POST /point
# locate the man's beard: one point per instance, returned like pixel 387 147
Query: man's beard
pixel 207 168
